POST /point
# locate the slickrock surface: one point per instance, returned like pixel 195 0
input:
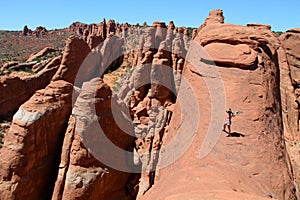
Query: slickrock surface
pixel 252 163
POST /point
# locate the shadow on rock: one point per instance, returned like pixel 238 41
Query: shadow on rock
pixel 235 134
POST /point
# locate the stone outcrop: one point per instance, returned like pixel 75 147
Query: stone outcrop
pixel 25 30
pixel 94 40
pixel 80 63
pixel 9 64
pixel 160 32
pixel 149 94
pixel 194 33
pixel 233 48
pixel 93 34
pixel 75 52
pixel 171 25
pixel 111 53
pixel 178 51
pixel 15 90
pixel 111 27
pixel 186 39
pixel 77 28
pixel 289 55
pixel 161 75
pixel 48 64
pixel 253 161
pixel 41 53
pixel 81 174
pixel 240 55
pixel 115 145
pixel 290 82
pixel 30 154
pixel 39 31
pixel 214 17
pixel 18 66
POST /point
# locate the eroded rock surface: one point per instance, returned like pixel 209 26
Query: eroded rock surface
pixel 253 161
pixel 75 52
pixel 15 90
pixel 82 175
pixel 30 154
pixel 146 114
pixel 289 55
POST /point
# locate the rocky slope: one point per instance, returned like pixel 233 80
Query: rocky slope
pixel 253 162
pixel 80 139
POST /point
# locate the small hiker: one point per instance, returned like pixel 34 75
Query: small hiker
pixel 229 115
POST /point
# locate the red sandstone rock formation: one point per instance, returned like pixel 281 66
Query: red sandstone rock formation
pixel 289 55
pixel 39 31
pixel 255 166
pixel 15 90
pixel 77 28
pixel 149 107
pixel 161 75
pixel 75 52
pixel 214 17
pixel 171 25
pixel 29 157
pixel 111 53
pixel 290 82
pixel 94 41
pixel 55 62
pixel 41 53
pixel 9 64
pixel 80 63
pixel 194 33
pixel 160 32
pixel 25 30
pixel 111 27
pixel 81 175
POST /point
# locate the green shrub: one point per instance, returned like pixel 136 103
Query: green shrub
pixel 278 33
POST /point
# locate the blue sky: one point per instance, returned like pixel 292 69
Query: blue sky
pixel 281 15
